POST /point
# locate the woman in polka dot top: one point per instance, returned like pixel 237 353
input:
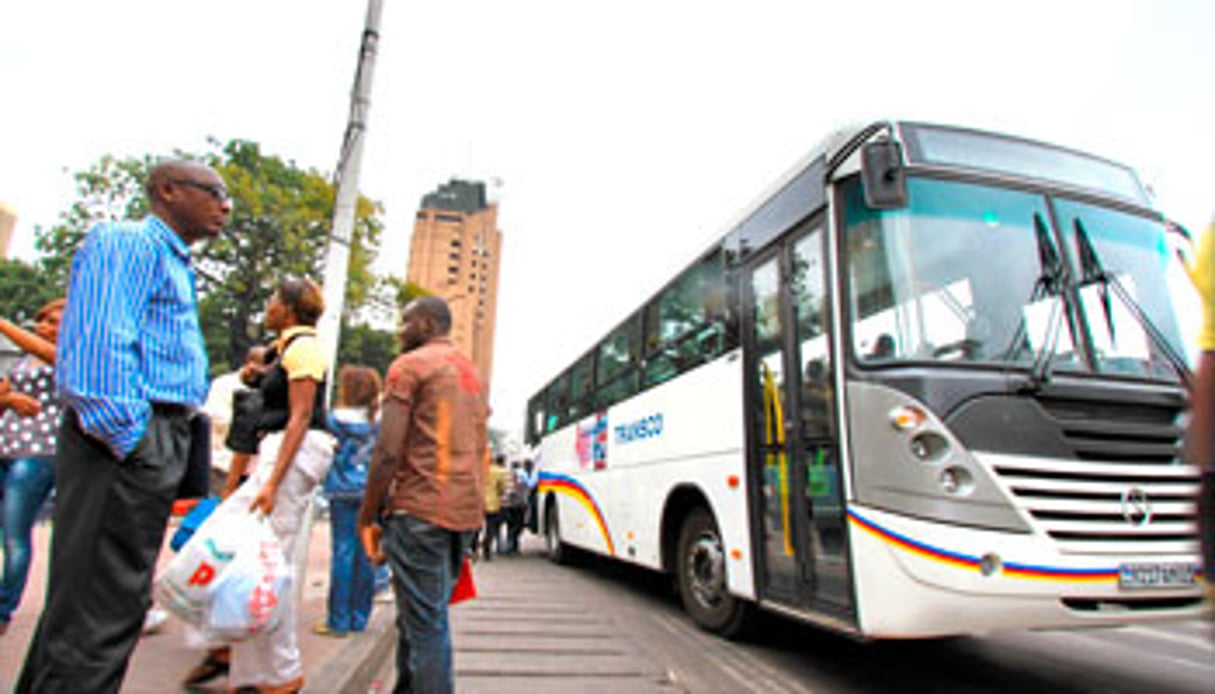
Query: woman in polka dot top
pixel 30 416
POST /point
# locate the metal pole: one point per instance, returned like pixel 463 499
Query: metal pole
pixel 337 259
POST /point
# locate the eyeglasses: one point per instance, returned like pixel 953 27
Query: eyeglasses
pixel 215 190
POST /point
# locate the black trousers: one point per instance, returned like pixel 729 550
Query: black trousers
pixel 109 522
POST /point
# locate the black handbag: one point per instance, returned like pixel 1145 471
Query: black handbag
pixel 196 483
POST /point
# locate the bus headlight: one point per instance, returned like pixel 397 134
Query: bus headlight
pixel 956 480
pixel 929 447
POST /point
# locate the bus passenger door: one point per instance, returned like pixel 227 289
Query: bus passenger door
pixel 796 508
pixel 774 465
pixel 816 434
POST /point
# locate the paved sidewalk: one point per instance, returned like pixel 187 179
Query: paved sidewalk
pixel 536 628
pixel 163 659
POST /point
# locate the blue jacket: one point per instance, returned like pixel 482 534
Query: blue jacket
pixel 347 476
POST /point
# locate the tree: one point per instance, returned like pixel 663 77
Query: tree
pixel 23 290
pixel 281 216
pixel 366 346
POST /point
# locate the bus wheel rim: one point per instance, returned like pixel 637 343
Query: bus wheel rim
pixel 706 570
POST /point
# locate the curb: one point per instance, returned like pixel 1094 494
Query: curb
pixel 353 668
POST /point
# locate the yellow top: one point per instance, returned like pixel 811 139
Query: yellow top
pixel 495 487
pixel 304 358
pixel 1202 274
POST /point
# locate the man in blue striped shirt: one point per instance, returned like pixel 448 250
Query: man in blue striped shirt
pixel 132 368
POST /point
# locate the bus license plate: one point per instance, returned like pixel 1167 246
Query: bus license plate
pixel 1156 575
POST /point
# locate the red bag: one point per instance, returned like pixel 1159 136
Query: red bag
pixel 464 589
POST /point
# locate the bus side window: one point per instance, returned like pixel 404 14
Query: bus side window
pixel 558 403
pixel 582 386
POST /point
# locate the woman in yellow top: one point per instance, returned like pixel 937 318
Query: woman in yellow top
pixel 1200 438
pixel 293 457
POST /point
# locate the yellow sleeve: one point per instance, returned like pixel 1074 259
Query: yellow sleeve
pixel 1202 274
pixel 303 359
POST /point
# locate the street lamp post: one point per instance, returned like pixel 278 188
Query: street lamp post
pixel 337 258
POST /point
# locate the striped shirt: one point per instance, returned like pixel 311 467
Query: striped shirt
pixel 130 335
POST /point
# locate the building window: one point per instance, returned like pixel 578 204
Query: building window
pixel 448 217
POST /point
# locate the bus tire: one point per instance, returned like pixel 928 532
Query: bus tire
pixel 701 577
pixel 558 552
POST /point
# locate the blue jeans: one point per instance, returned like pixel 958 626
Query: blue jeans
pixel 351 576
pixel 425 562
pixel 27 484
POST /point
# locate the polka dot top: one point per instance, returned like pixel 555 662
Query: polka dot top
pixel 31 437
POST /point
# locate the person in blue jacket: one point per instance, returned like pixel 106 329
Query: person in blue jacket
pixel 351 575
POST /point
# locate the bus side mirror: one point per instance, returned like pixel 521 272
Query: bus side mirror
pixel 882 174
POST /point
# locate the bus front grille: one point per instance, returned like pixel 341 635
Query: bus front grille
pixel 1117 432
pixel 1111 507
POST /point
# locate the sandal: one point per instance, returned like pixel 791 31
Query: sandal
pixel 214 665
pixel 322 629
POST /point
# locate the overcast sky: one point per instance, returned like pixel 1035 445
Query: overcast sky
pixel 626 133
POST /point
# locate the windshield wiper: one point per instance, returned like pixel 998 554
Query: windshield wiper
pixel 1093 272
pixel 1050 282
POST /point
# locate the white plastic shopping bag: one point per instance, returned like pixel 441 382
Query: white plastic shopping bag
pixel 184 586
pixel 247 596
pixel 228 580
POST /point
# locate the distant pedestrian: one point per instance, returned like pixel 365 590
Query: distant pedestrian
pixel 514 506
pixel 293 458
pixel 30 417
pixel 531 476
pixel 1200 438
pixel 432 455
pixel 496 482
pixel 355 423
pixel 132 369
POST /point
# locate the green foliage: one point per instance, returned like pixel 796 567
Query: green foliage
pixel 366 346
pixel 111 189
pixel 23 290
pixel 281 216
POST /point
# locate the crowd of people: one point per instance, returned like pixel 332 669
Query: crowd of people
pixel 105 411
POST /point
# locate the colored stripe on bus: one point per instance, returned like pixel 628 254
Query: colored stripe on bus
pixel 572 488
pixel 966 561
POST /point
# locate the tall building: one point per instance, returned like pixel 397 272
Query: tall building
pixel 455 254
pixel 8 220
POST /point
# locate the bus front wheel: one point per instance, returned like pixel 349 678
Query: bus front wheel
pixel 701 566
pixel 557 551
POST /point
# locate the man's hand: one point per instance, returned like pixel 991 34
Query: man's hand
pixel 24 405
pixel 370 536
pixel 264 501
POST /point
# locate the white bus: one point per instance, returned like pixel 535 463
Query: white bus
pixel 931 383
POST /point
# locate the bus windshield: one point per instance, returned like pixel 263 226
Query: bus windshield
pixel 975 273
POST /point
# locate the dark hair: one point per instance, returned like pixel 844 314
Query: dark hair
pixel 437 309
pixel 304 298
pixel 359 386
pixel 49 308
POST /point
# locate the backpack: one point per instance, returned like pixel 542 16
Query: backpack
pixel 516 491
pixel 347 476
